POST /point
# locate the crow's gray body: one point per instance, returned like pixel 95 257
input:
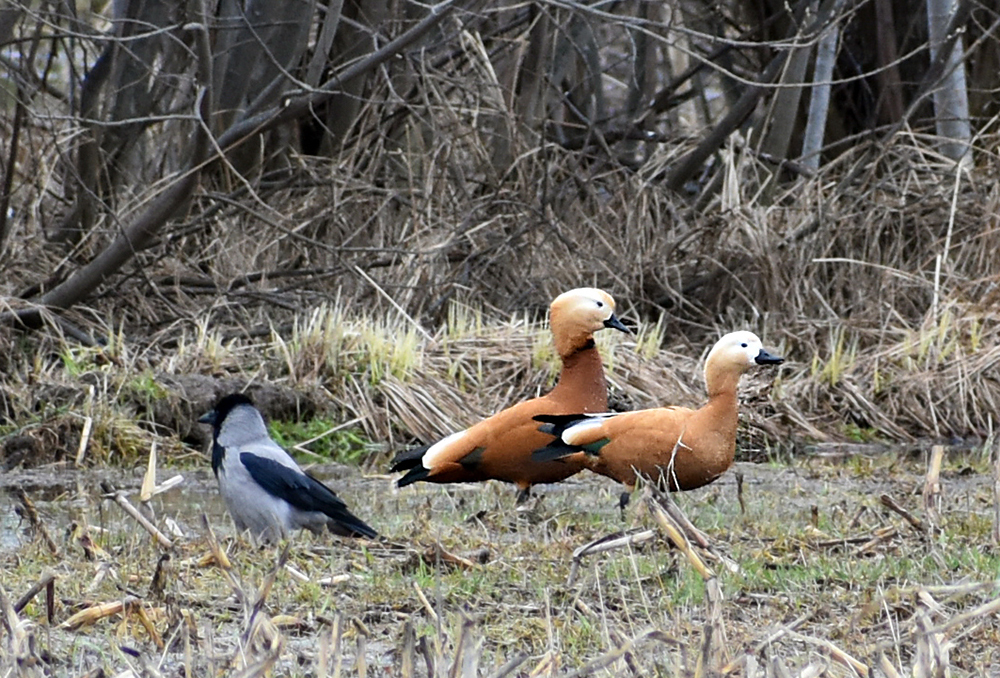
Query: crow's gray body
pixel 264 489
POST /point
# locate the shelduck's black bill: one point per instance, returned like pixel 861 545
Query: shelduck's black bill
pixel 765 358
pixel 614 323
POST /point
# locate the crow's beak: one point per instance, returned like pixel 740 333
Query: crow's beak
pixel 208 418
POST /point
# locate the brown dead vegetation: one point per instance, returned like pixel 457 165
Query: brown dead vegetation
pixel 879 286
pixel 875 275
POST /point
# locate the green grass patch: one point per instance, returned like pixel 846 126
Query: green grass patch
pixel 321 437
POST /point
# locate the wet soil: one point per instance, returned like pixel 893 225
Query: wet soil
pixel 521 553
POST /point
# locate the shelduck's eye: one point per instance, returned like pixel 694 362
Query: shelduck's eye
pixel 744 344
pixel 600 304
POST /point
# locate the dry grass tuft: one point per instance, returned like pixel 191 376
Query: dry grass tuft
pixel 874 277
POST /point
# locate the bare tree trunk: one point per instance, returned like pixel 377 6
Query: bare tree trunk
pixel 9 16
pixel 529 105
pixel 785 104
pixel 260 45
pixel 143 229
pixel 8 19
pixel 685 169
pixel 321 55
pixel 575 77
pixel 126 85
pixel 641 87
pixel 890 100
pixel 951 101
pixel 819 100
pixel 354 39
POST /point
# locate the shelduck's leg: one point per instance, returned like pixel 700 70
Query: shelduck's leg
pixel 623 501
pixel 523 495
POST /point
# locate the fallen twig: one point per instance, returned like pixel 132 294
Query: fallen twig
pixel 122 500
pixel 880 536
pixel 614 655
pixel 37 526
pixel 667 503
pixel 265 590
pixel 46 582
pixel 714 643
pixel 836 654
pixel 892 505
pixel 510 666
pixel 771 638
pixel 843 541
pixel 436 555
pixel 675 534
pixel 984 610
pixel 426 603
pixel 606 543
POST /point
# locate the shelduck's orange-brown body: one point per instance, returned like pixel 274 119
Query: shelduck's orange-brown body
pixel 687 448
pixel 500 447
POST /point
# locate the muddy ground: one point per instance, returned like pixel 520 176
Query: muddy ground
pixel 465 584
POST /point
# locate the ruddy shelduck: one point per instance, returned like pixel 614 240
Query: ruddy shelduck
pixel 686 448
pixel 501 446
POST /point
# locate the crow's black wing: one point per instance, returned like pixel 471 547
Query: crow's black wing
pixel 302 491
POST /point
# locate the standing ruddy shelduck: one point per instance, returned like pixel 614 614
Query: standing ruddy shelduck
pixel 688 448
pixel 500 447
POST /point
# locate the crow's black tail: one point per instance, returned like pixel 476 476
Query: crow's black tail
pixel 346 524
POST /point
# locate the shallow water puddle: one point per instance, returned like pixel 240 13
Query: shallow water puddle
pixel 64 496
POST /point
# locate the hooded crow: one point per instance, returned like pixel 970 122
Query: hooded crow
pixel 264 489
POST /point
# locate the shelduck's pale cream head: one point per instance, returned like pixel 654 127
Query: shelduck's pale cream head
pixel 575 315
pixel 733 355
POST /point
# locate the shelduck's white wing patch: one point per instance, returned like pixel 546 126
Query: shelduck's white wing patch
pixel 579 432
pixel 436 451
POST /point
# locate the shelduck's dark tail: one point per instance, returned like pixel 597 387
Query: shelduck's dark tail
pixel 409 461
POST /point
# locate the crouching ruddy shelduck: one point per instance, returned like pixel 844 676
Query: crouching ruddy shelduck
pixel 500 447
pixel 264 489
pixel 687 448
